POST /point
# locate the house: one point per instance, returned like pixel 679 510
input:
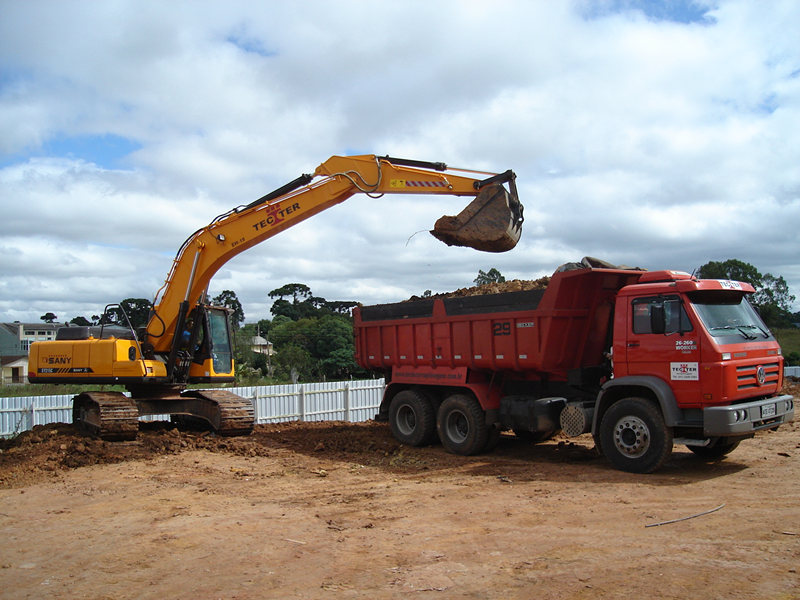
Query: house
pixel 261 346
pixel 13 369
pixel 15 341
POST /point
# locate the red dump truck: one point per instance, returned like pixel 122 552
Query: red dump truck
pixel 641 359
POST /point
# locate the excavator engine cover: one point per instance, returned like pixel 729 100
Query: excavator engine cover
pixel 492 222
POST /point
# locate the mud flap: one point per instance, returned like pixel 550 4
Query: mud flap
pixel 492 222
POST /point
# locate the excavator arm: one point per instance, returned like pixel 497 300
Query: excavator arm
pixel 492 222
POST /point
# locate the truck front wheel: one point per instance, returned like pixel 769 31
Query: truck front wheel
pixel 633 436
pixel 412 418
pixel 461 423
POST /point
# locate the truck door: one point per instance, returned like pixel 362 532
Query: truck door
pixel 662 342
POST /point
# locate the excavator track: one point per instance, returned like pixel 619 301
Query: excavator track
pixel 234 415
pixel 109 415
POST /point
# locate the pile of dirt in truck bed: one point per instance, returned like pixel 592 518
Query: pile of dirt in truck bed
pixel 515 285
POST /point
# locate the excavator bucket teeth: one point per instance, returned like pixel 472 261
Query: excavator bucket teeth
pixel 492 222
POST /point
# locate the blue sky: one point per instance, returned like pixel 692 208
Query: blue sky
pixel 656 134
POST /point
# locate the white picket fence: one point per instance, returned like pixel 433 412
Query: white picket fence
pixel 352 401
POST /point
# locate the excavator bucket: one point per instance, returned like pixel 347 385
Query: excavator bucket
pixel 492 222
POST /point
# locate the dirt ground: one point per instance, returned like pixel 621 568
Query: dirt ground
pixel 337 510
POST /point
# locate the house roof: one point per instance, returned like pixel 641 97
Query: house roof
pixel 14 327
pixel 14 361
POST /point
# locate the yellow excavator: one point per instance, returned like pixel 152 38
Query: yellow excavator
pixel 188 341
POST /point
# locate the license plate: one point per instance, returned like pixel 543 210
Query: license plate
pixel 769 410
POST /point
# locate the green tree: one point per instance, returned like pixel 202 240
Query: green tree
pixel 733 269
pixel 294 363
pixel 137 309
pixel 263 326
pixel 774 300
pixel 771 299
pixel 48 317
pixel 295 290
pixel 311 337
pixel 296 301
pixel 490 276
pixel 294 333
pixel 228 299
pixel 298 292
pixel 82 321
pixel 334 348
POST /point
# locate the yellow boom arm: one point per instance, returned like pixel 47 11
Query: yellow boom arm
pixel 334 181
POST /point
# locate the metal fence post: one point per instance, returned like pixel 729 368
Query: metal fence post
pixel 301 402
pixel 347 401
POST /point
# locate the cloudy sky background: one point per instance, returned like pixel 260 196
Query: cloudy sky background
pixel 649 134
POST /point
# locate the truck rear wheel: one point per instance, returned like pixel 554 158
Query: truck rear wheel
pixel 461 423
pixel 634 437
pixel 412 418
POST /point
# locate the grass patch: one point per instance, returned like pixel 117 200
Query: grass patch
pixel 53 389
pixel 789 339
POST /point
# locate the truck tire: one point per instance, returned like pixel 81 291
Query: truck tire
pixel 720 449
pixel 633 436
pixel 412 418
pixel 461 423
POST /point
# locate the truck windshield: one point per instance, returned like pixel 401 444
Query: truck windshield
pixel 729 315
pixel 220 341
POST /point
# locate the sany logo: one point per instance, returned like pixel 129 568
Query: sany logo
pixel 56 360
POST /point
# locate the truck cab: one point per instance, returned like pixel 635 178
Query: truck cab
pixel 698 351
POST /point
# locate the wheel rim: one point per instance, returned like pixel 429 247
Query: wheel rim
pixel 631 436
pixel 406 420
pixel 457 426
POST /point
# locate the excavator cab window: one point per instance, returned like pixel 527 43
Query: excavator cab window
pixel 218 340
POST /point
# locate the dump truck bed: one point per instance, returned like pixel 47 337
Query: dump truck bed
pixel 550 331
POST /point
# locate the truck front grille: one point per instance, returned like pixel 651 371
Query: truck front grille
pixel 747 375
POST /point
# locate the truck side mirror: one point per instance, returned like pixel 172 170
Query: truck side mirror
pixel 658 318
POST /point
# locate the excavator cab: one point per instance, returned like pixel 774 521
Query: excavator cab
pixel 492 222
pixel 203 353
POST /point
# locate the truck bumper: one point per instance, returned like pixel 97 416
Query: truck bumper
pixel 741 419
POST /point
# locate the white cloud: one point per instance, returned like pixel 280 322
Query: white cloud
pixel 638 140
